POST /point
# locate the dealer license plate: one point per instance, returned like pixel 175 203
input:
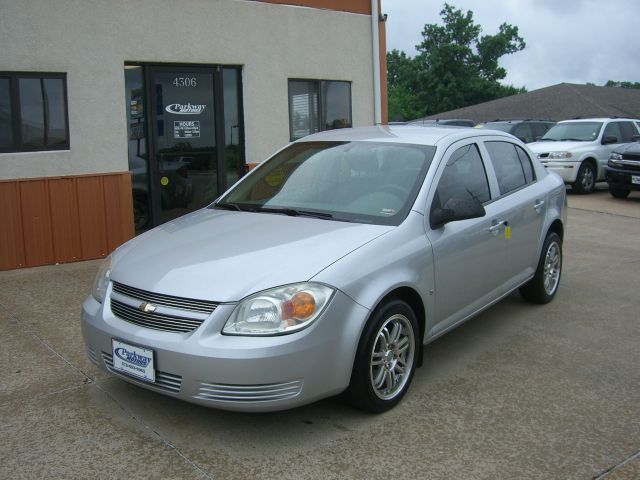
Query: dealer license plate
pixel 134 361
pixel 635 179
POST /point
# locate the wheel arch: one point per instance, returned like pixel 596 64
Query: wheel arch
pixel 413 299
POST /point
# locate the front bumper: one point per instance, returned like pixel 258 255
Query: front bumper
pixel 568 170
pixel 233 372
pixel 622 178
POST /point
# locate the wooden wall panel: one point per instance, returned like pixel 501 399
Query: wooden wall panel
pixel 36 222
pixel 65 220
pixel 11 242
pixel 91 209
pixel 118 211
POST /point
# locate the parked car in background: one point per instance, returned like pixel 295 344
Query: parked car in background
pixel 526 130
pixel 451 122
pixel 328 267
pixel 578 150
pixel 623 171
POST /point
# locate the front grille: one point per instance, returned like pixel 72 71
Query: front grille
pixel 164 381
pixel 156 321
pixel 204 306
pixel 249 393
pixel 171 313
pixel 631 156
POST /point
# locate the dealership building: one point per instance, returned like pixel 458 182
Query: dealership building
pixel 117 116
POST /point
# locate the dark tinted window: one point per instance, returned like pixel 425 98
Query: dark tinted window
pixel 508 166
pixel 613 130
pixel 627 131
pixel 33 112
pixel 6 118
pixel 539 129
pixel 523 132
pixel 317 105
pixel 464 177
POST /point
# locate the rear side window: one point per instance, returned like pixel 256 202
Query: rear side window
pixel 613 130
pixel 524 133
pixel 512 166
pixel 464 178
pixel 627 131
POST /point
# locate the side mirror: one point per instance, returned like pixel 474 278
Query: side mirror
pixel 609 140
pixel 455 209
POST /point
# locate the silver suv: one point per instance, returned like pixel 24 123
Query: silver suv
pixel 578 150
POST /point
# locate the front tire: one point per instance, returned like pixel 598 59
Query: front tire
pixel 386 358
pixel 618 192
pixel 544 284
pixel 586 179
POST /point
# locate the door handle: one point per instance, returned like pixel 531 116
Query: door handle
pixel 538 206
pixel 495 228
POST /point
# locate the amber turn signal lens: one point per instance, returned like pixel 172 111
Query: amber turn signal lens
pixel 301 306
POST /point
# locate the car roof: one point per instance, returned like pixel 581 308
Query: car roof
pixel 416 134
pixel 599 119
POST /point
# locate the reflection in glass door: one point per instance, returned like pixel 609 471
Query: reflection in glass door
pixel 186 137
pixel 185 140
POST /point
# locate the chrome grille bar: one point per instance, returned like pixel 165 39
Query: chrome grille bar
pixel 204 306
pixel 156 321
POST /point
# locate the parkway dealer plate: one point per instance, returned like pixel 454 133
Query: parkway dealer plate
pixel 134 361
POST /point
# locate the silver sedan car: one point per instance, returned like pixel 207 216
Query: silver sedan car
pixel 328 268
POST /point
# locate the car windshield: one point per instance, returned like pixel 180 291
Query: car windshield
pixel 362 182
pixel 573 131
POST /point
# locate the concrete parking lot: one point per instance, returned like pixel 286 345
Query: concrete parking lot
pixel 521 391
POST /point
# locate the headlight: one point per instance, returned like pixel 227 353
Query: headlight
pixel 614 158
pixel 279 310
pixel 557 155
pixel 102 280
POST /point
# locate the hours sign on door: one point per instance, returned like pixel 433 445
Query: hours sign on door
pixel 186 129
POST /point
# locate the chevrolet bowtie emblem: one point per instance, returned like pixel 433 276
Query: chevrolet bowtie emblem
pixel 147 307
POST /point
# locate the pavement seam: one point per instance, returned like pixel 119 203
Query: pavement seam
pixel 155 433
pixel 89 380
pixel 603 213
pixel 606 472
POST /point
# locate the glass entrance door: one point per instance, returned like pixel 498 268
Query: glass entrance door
pixel 184 140
pixel 186 137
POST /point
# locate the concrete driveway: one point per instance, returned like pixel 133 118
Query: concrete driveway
pixel 521 391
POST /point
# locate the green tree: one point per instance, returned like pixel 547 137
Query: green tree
pixel 612 83
pixel 455 67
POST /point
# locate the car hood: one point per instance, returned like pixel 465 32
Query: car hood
pixel 225 256
pixel 543 147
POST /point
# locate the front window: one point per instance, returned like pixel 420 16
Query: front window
pixel 362 182
pixel 573 131
pixel 317 105
pixel 33 112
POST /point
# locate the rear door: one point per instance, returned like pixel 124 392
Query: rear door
pixel 522 201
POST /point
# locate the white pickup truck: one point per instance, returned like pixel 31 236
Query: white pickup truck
pixel 578 150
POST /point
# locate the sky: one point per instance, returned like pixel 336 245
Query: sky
pixel 573 41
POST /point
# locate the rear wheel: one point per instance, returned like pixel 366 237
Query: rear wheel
pixel 586 179
pixel 544 284
pixel 386 358
pixel 618 192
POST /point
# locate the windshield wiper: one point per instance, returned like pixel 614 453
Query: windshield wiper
pixel 574 140
pixel 228 206
pixel 293 212
pixel 547 140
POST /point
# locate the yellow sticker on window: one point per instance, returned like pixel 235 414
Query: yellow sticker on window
pixel 164 181
pixel 507 232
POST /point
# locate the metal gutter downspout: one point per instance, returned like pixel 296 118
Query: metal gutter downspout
pixel 377 100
